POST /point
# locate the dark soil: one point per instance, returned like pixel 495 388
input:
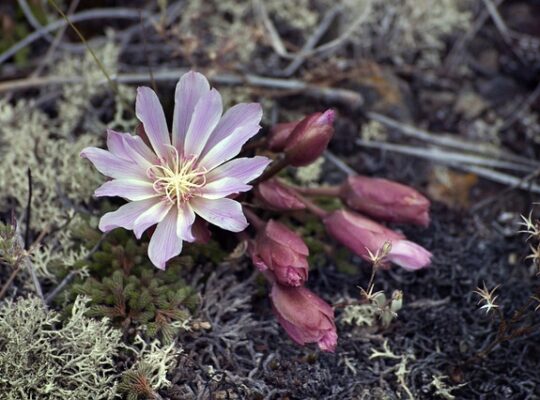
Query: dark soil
pixel 440 327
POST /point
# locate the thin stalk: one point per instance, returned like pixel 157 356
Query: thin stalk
pixel 10 279
pixel 274 169
pixel 255 144
pixel 254 220
pixel 312 207
pixel 100 65
pixel 327 191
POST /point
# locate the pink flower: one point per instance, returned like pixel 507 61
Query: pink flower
pixel 386 200
pixel 277 196
pixel 305 317
pixel 182 175
pixel 280 250
pixel 361 234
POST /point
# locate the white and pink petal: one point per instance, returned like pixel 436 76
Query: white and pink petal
pixel 223 187
pixel 189 90
pixel 126 215
pixel 244 169
pixel 110 165
pixel 115 144
pixel 243 114
pixel 149 111
pixel 130 189
pixel 206 116
pixel 228 147
pixel 151 216
pixel 186 218
pixel 138 151
pixel 225 213
pixel 165 243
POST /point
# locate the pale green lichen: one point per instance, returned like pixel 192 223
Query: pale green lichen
pixel 378 309
pixel 310 174
pixel 48 144
pixel 228 31
pixel 443 389
pixel 149 372
pixel 299 14
pixel 42 359
pixel 409 30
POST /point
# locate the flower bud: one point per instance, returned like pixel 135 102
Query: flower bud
pixel 305 317
pixel 309 138
pixel 280 250
pixel 279 135
pixel 362 236
pixel 277 196
pixel 409 255
pixel 386 200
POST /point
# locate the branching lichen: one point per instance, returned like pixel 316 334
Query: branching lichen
pixel 149 373
pixel 39 358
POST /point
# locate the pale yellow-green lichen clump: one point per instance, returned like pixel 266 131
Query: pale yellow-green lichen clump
pixel 41 358
pixel 49 145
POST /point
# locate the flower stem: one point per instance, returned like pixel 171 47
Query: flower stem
pixel 312 207
pixel 329 191
pixel 274 169
pixel 255 144
pixel 253 219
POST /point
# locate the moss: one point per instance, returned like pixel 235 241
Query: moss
pixel 137 297
pixel 41 358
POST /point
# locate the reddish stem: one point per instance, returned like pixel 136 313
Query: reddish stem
pixel 311 206
pixel 274 169
pixel 329 191
pixel 254 220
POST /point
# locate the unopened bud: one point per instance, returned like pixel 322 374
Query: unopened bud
pixel 282 251
pixel 309 138
pixel 279 135
pixel 385 200
pixel 365 237
pixel 277 196
pixel 305 317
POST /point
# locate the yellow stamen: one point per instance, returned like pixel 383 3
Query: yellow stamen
pixel 177 178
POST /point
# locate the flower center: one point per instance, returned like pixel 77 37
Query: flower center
pixel 177 178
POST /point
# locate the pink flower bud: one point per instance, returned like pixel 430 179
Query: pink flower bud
pixel 309 138
pixel 409 255
pixel 280 250
pixel 361 234
pixel 277 196
pixel 305 317
pixel 279 134
pixel 386 200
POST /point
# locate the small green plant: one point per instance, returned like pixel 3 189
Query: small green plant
pixel 136 296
